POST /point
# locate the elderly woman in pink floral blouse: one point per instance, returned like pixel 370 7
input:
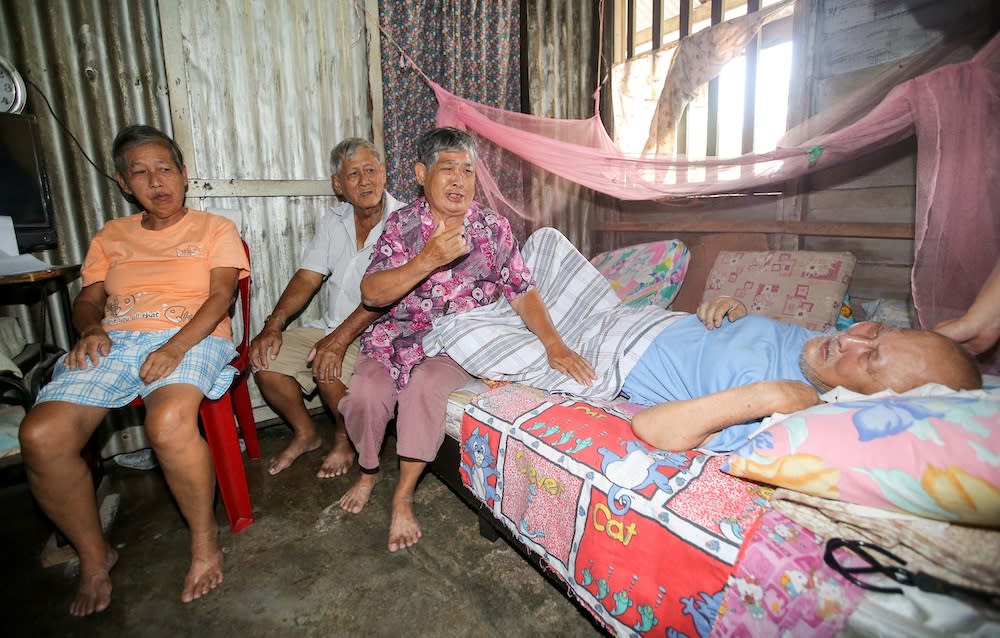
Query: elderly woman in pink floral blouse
pixel 441 254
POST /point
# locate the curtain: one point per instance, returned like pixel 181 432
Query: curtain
pixel 560 65
pixel 472 47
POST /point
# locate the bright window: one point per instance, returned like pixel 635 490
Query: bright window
pixel 726 118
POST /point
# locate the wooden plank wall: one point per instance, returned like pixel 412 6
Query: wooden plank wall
pixel 860 39
pixel 840 45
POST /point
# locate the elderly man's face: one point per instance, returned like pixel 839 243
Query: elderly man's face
pixel 449 184
pixel 869 357
pixel 361 180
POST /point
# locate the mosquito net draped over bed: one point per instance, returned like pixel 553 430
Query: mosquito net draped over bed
pixel 953 110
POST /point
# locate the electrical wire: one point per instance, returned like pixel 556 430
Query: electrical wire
pixel 66 129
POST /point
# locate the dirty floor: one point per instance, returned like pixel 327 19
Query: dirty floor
pixel 304 568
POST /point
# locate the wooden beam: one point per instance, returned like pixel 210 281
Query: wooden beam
pixel 259 188
pixel 829 229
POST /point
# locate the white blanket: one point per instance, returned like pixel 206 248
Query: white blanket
pixel 493 343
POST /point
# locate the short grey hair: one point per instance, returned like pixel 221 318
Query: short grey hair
pixel 431 143
pixel 135 135
pixel 346 149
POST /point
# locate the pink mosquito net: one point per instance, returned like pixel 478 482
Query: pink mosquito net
pixel 954 111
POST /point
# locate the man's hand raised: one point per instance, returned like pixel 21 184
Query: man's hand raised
pixel 712 313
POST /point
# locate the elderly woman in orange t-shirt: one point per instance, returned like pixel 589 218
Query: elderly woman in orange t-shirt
pixel 153 322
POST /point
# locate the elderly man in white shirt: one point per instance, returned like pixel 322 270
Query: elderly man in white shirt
pixel 290 365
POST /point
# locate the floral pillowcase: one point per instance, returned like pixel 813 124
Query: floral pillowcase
pixel 645 274
pixel 932 456
pixel 803 287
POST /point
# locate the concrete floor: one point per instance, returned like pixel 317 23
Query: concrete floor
pixel 304 568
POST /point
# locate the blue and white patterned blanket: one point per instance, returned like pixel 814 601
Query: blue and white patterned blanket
pixel 492 342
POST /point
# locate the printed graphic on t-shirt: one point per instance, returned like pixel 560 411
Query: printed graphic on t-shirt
pixel 119 306
pixel 120 310
pixel 177 314
pixel 189 250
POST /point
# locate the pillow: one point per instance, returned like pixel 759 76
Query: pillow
pixel 645 274
pixel 703 249
pixel 933 456
pixel 800 286
pixel 892 312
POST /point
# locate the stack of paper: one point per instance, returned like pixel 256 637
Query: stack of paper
pixel 12 263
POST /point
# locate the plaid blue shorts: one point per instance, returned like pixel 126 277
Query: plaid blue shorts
pixel 115 382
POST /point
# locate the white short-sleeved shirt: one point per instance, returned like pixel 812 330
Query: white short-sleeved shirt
pixel 334 254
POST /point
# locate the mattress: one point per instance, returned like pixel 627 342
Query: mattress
pixel 457 402
pixel 655 543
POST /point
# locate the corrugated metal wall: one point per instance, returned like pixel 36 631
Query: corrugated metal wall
pixel 263 108
pixel 255 92
pixel 98 65
pixel 562 76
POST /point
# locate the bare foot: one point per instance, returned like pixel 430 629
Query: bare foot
pixel 404 530
pixel 94 593
pixel 356 497
pixel 205 573
pixel 298 447
pixel 339 460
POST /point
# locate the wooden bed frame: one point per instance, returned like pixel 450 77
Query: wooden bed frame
pixel 446 468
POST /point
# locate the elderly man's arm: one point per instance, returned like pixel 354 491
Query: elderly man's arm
pixel 300 289
pixel 221 294
pixel 685 425
pixel 383 288
pixel 327 356
pixel 536 317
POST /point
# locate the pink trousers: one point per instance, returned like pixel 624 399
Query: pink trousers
pixel 372 397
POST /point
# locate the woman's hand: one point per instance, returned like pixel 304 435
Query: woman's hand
pixel 976 333
pixel 979 328
pixel 94 343
pixel 327 358
pixel 713 312
pixel 160 363
pixel 568 362
pixel 446 245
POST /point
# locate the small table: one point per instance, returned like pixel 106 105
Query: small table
pixel 54 279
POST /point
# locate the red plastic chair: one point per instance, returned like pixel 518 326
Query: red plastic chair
pixel 220 426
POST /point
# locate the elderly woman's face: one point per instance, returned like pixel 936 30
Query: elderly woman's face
pixel 152 177
pixel 449 184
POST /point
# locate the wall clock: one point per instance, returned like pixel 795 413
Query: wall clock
pixel 12 90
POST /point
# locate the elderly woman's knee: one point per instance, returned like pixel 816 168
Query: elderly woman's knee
pixel 43 435
pixel 171 424
pixel 34 434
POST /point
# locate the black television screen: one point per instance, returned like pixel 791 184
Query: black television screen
pixel 24 185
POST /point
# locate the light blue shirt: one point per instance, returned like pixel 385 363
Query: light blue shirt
pixel 686 361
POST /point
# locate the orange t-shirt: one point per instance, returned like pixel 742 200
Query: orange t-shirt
pixel 158 279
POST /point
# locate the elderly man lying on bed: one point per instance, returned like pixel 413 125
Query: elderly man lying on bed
pixel 707 377
pixel 720 368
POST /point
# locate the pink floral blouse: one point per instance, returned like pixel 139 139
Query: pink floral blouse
pixel 493 267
